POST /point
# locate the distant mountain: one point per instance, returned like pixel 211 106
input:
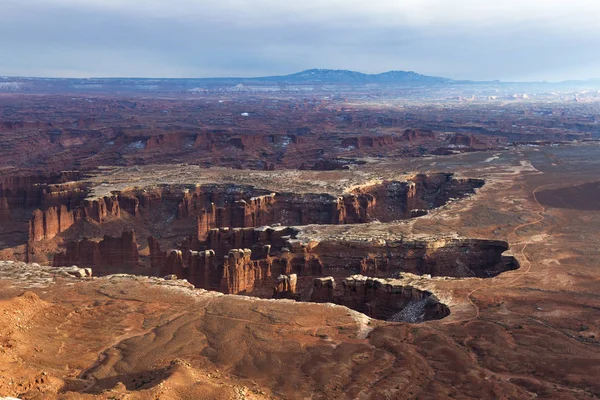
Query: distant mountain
pixel 353 77
pixel 311 80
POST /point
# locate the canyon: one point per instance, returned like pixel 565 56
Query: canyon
pixel 331 244
pixel 239 239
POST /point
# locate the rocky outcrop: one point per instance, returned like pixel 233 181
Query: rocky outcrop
pixel 365 142
pixel 380 298
pixel 157 257
pixel 100 209
pixel 70 194
pixel 396 200
pixel 46 224
pixel 385 299
pixel 411 135
pixel 50 222
pixel 78 272
pixel 130 204
pixel 240 272
pixel 203 270
pixel 286 287
pixel 214 210
pixel 231 206
pixel 234 272
pixel 460 139
pixel 35 190
pixel 256 211
pixel 323 290
pixel 5 215
pixel 297 261
pixel 200 268
pixel 119 252
pixel 435 190
pixel 259 240
pixel 436 256
pixel 355 209
pixel 361 142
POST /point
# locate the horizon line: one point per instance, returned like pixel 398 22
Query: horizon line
pixel 449 80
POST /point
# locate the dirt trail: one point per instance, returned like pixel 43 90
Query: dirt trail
pixel 523 257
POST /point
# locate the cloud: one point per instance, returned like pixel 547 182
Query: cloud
pixel 464 39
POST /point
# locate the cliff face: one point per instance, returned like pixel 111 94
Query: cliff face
pixel 257 211
pixel 200 268
pixel 111 251
pixel 284 255
pixel 99 210
pixel 46 224
pixel 203 269
pixel 213 141
pixel 5 215
pixel 260 240
pixel 323 290
pixel 216 220
pixel 396 200
pixel 383 299
pixel 37 190
pixel 368 141
pixel 157 257
pixel 439 257
pixel 286 287
pixel 209 207
pixel 240 272
pixel 233 273
pixel 355 209
pixel 215 208
pixel 387 299
pixel 434 190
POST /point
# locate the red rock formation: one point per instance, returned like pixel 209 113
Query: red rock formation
pixel 4 210
pixel 259 240
pixel 366 141
pixel 383 299
pixel 291 209
pixel 68 194
pixel 395 200
pixel 411 135
pixel 173 263
pixel 354 209
pixel 200 268
pixel 223 240
pixel 203 269
pixel 252 212
pixel 379 298
pixel 50 222
pixel 440 257
pixel 323 290
pixel 464 140
pixel 240 272
pixel 129 203
pixel 215 208
pixel 30 190
pixel 298 261
pixel 99 209
pixel 371 266
pixel 119 252
pixel 156 256
pixel 286 286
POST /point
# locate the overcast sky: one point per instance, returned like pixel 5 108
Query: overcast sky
pixel 460 39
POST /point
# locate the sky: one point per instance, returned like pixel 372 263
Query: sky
pixel 510 40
